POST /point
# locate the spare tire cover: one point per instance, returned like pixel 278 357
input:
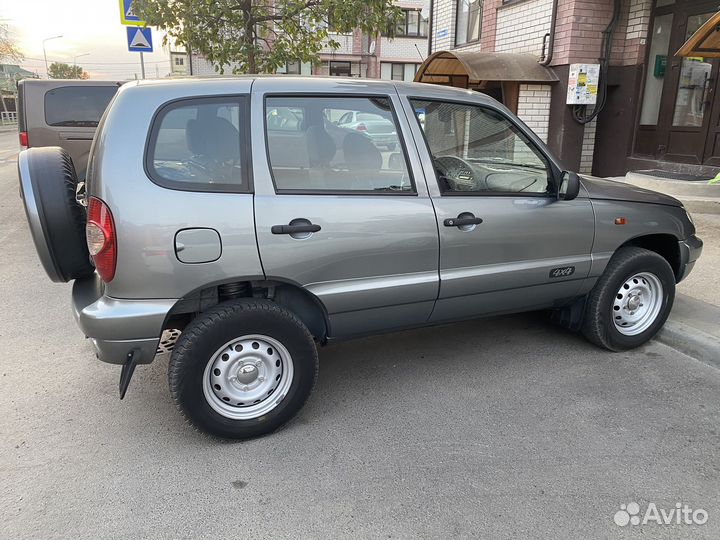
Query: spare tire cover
pixel 62 219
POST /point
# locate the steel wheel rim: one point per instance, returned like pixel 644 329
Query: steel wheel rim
pixel 248 377
pixel 637 304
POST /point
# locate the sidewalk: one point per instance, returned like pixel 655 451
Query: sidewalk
pixel 697 195
pixel 693 329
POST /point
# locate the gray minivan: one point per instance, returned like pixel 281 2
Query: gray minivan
pixel 63 113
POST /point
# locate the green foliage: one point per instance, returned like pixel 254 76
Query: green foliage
pixel 261 36
pixel 8 48
pixel 59 70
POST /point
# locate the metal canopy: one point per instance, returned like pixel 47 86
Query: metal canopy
pixel 705 42
pixel 441 66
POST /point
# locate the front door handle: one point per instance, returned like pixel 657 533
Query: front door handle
pixel 301 228
pixel 462 221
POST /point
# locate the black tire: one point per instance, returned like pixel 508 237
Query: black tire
pixel 208 332
pixel 54 180
pixel 598 325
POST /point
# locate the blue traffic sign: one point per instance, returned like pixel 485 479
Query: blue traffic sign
pixel 127 14
pixel 139 39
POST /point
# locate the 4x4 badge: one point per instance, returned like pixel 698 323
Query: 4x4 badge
pixel 562 272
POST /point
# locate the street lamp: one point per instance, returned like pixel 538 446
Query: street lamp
pixel 47 71
pixel 75 60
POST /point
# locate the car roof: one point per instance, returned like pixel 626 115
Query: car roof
pixel 304 83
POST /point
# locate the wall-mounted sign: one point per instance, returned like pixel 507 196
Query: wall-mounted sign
pixel 660 65
pixel 442 33
pixel 583 83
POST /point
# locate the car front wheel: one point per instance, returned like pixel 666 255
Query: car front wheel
pixel 243 368
pixel 631 300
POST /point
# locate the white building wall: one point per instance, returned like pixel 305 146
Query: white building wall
pixel 403 49
pixel 521 27
pixel 534 108
pixel 345 41
pixel 443 37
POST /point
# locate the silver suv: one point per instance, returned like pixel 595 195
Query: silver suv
pixel 245 213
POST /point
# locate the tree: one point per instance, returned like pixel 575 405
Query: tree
pixel 8 48
pixel 261 35
pixel 59 70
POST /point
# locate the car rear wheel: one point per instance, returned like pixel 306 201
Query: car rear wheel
pixel 631 300
pixel 243 368
pixel 57 222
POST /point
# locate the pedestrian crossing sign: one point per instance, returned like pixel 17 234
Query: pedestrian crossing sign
pixel 127 14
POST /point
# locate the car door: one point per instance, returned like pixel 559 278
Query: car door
pixel 350 222
pixel 507 242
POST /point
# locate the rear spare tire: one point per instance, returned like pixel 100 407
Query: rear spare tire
pixel 57 222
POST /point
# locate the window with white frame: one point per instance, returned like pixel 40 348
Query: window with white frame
pixel 398 71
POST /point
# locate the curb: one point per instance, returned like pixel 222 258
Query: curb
pixel 693 328
pixel 691 341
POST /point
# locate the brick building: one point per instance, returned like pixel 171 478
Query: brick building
pixel 660 111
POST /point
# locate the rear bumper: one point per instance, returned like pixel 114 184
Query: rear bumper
pixel 690 251
pixel 117 327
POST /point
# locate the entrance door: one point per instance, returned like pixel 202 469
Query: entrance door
pixel 687 109
pixel 678 122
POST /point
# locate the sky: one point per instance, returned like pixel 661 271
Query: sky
pixel 87 26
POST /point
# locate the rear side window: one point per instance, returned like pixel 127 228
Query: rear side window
pixel 196 145
pixel 77 106
pixel 328 144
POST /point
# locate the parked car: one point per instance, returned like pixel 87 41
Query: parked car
pixel 62 113
pixel 379 128
pixel 260 243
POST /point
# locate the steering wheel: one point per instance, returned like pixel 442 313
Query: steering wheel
pixel 458 175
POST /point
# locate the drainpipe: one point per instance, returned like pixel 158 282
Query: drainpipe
pixel 547 57
pixel 430 27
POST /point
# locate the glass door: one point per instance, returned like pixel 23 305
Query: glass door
pixel 688 107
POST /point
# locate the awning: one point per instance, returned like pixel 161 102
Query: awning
pixel 705 42
pixel 444 66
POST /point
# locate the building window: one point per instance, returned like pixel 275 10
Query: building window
pixel 179 61
pixel 411 23
pixel 469 20
pixel 340 69
pixel 391 71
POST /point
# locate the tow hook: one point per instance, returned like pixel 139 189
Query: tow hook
pixel 127 371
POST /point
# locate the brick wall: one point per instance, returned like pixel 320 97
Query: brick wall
pixel 443 23
pixel 521 27
pixel 534 108
pixel 402 49
pixel 588 148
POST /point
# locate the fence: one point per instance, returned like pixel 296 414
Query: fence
pixel 8 118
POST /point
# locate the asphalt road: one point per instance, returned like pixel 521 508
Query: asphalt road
pixel 505 427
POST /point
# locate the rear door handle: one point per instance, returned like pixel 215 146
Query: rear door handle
pixel 462 221
pixel 295 229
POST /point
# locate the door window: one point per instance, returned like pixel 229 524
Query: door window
pixel 342 144
pixel 694 85
pixel 77 106
pixel 475 149
pixel 195 145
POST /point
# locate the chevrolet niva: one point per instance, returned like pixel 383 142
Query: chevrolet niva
pixel 247 213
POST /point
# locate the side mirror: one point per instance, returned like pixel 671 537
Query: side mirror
pixel 569 186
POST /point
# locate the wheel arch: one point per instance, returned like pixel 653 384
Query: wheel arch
pixel 664 244
pixel 308 307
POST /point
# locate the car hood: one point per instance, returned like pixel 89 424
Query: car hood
pixel 613 190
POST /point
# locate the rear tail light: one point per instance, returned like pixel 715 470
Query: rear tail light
pixel 24 140
pixel 101 238
pixel 361 127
